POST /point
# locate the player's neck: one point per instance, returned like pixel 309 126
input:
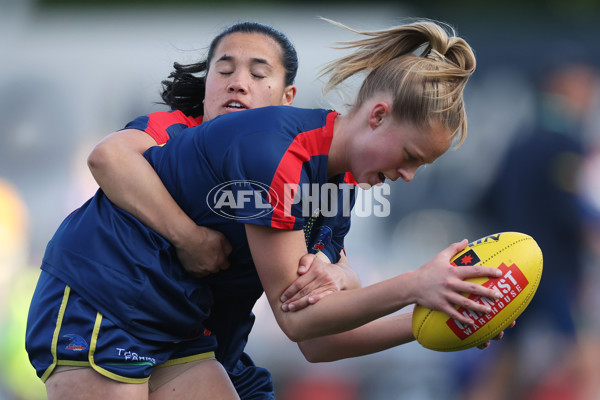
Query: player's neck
pixel 338 154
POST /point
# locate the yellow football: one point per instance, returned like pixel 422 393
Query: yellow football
pixel 519 257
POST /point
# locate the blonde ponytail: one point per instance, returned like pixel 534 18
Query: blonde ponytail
pixel 423 65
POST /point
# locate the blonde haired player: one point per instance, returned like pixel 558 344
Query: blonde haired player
pixel 408 112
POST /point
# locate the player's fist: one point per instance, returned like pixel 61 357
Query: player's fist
pixel 206 252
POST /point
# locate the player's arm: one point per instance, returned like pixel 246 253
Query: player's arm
pixel 381 334
pixel 118 165
pixel 317 278
pixel 435 285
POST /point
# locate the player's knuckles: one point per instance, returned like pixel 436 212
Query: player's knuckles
pixel 476 289
pixel 291 292
pixel 480 308
pixel 297 292
pixel 317 270
pixel 320 292
pixel 313 275
pixel 437 304
pixel 330 287
pixel 305 291
pixel 291 299
pixel 322 281
pixel 462 301
pixel 299 304
pixel 480 290
pixel 449 283
pixel 459 300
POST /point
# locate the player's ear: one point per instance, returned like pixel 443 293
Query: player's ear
pixel 289 93
pixel 378 114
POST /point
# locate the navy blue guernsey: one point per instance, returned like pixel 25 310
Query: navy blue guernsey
pixel 264 157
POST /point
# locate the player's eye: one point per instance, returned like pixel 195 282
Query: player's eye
pixel 258 72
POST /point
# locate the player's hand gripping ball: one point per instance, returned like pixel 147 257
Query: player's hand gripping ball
pixel 519 257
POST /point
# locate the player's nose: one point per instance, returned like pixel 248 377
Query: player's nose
pixel 237 84
pixel 407 175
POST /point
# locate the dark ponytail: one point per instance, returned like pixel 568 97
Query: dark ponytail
pixel 183 90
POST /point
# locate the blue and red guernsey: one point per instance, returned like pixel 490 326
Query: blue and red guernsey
pixel 163 125
pixel 251 167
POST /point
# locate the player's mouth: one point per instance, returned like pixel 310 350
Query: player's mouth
pixel 235 106
pixel 381 178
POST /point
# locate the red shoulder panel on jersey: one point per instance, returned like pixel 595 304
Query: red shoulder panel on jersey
pixel 159 123
pixel 306 145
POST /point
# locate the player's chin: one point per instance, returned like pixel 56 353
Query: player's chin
pixel 368 182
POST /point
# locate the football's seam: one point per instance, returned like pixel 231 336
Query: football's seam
pixel 506 247
pixel 492 256
pixel 423 322
pixel 516 312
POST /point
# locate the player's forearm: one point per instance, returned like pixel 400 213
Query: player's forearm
pixel 130 182
pixel 376 336
pixel 347 310
pixel 276 254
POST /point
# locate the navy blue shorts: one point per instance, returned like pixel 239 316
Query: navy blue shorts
pixel 250 381
pixel 63 329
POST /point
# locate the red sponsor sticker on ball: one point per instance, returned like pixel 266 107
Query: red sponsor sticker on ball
pixel 510 285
